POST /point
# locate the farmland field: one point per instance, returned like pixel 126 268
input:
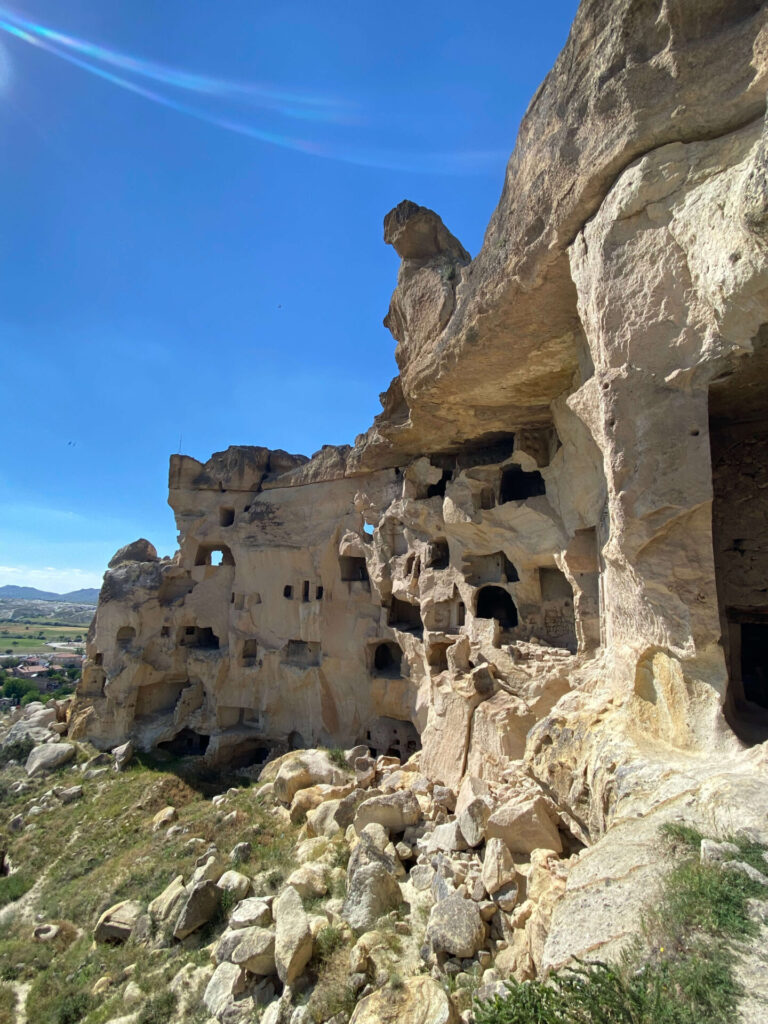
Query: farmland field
pixel 33 637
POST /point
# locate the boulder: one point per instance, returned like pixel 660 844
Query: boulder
pixel 200 906
pixel 394 811
pixel 163 818
pixel 168 903
pixel 208 870
pixel 256 951
pixel 447 838
pixel 473 820
pixel 123 755
pixel 498 866
pixel 69 795
pixel 250 912
pixel 236 883
pixel 48 757
pixel 293 938
pixel 455 927
pixel 524 824
pixel 372 886
pixel 227 982
pixel 421 1000
pixel 309 881
pixel 306 768
pixel 117 923
pixel 139 551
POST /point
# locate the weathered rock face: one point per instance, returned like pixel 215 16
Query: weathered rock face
pixel 545 563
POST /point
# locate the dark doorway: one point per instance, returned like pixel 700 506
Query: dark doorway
pixel 495 603
pixel 387 660
pixel 754 662
pixel 186 743
pixel 517 485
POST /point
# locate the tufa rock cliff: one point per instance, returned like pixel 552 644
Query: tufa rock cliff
pixel 542 572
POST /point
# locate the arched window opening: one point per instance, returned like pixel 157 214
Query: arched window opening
pixel 495 603
pixel 125 636
pixel 212 554
pixel 387 660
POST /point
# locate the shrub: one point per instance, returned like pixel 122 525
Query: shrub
pixel 17 750
pixel 73 1007
pixel 607 994
pixel 336 756
pixel 158 1010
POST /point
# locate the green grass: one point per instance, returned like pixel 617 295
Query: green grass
pixel 7 1004
pixel 158 1010
pixel 679 970
pixel 13 887
pixel 336 756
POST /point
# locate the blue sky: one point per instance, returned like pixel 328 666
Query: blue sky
pixel 169 280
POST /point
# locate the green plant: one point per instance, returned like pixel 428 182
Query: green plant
pixel 328 940
pixel 336 756
pixel 158 1010
pixel 681 972
pixel 17 750
pixel 73 1007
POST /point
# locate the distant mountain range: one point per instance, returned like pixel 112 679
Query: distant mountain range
pixel 87 596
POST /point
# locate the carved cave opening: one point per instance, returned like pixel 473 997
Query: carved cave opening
pixel 438 490
pixel 517 485
pixel 226 516
pixel 158 698
pixel 438 556
pixel 495 603
pixel 125 637
pixel 250 655
pixel 200 637
pixel 392 737
pixel 387 660
pixel 405 617
pixel 352 568
pixel 738 437
pixel 559 617
pixel 186 743
pixel 213 554
pixel 437 657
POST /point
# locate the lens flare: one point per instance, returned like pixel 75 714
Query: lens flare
pixel 272 100
pixel 5 69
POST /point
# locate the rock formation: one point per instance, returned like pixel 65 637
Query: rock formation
pixel 544 567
